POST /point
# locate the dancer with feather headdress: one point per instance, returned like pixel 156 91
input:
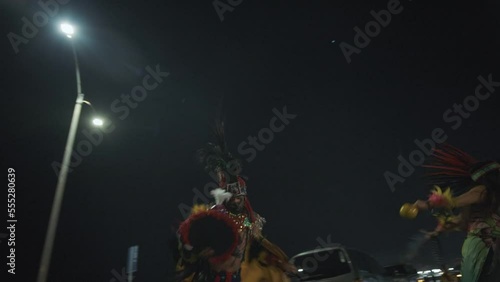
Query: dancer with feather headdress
pixel 479 206
pixel 215 241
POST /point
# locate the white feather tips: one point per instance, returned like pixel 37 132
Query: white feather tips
pixel 220 195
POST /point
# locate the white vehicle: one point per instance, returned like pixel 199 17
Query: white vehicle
pixel 337 264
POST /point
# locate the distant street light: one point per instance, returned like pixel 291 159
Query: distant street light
pixel 98 122
pixel 61 182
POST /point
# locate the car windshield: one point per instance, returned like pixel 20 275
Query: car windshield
pixel 322 264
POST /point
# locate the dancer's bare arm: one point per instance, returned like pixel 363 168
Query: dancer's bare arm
pixel 475 195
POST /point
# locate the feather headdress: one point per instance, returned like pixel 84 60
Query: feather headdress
pixel 450 166
pixel 216 158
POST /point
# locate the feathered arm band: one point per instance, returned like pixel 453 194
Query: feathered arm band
pixel 440 199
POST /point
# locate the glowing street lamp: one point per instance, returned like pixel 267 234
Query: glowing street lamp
pixel 61 181
pixel 68 30
pixel 97 122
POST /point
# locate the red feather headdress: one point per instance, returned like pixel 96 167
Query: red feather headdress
pixel 450 166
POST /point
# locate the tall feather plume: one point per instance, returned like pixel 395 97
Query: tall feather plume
pixel 449 166
pixel 219 134
pixel 215 156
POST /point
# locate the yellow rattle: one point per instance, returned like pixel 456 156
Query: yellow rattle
pixel 408 211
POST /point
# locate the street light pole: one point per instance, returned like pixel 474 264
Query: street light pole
pixel 61 182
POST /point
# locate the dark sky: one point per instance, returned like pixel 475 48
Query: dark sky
pixel 321 176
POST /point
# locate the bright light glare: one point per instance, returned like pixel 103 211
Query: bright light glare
pixel 67 29
pixel 300 270
pixel 459 275
pixel 436 270
pixel 98 122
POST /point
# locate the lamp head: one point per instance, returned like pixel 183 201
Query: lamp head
pixel 68 30
pixel 97 122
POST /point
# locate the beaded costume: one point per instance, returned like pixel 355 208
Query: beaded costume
pixel 214 241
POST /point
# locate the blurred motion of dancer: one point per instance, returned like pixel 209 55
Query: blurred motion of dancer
pixel 479 209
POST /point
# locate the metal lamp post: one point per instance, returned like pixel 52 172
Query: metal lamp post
pixel 61 182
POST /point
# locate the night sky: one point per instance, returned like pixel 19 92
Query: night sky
pixel 320 176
